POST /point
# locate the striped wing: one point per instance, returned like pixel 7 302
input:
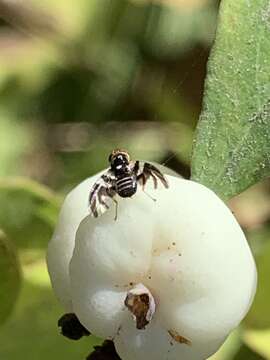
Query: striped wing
pixel 100 196
pixel 151 171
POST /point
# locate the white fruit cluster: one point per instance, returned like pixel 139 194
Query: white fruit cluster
pixel 168 280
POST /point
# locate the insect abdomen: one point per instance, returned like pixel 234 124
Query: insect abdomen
pixel 126 186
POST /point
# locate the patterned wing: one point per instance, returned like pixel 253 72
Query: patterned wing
pixel 151 171
pixel 100 195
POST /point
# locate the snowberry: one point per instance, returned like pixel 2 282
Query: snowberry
pixel 168 279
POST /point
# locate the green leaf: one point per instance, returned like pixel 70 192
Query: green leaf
pixel 174 30
pixel 9 277
pixel 245 353
pixel 259 316
pixel 259 341
pixel 231 346
pixel 232 144
pixel 32 187
pixel 28 211
pixel 31 332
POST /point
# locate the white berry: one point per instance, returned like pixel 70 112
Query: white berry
pixel 185 248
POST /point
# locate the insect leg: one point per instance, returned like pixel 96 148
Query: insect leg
pixel 149 196
pixel 142 178
pixel 116 209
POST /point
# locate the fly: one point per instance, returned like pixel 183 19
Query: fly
pixel 122 178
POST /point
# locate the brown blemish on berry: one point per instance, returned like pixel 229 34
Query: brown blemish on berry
pixel 141 303
pixel 139 306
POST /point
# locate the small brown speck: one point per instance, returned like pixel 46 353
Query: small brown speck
pixel 179 254
pixel 149 277
pixel 178 338
pixel 116 286
pixel 169 248
pixel 174 243
pixel 119 329
pixel 131 284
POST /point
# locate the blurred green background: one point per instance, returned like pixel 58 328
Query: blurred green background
pixel 78 79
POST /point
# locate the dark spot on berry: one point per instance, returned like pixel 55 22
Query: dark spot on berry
pixel 71 327
pixel 104 352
